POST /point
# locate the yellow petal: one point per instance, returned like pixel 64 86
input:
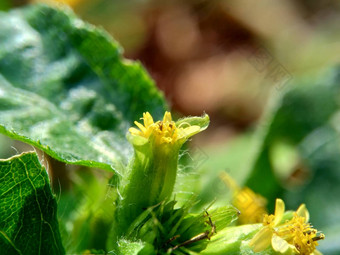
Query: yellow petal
pixel 141 127
pixel 279 211
pixel 167 117
pixel 148 120
pixel 303 212
pixel 280 245
pixel 261 240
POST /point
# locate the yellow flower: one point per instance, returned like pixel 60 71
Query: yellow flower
pixel 251 205
pixel 295 235
pixel 165 131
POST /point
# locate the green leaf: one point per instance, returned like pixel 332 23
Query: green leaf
pixel 28 210
pixel 66 89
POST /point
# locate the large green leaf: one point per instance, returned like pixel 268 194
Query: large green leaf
pixel 65 88
pixel 28 210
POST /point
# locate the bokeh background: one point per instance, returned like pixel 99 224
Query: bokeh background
pixel 266 72
pixel 199 51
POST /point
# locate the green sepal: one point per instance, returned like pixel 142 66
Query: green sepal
pixel 202 122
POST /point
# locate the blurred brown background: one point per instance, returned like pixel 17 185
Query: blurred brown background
pixel 221 57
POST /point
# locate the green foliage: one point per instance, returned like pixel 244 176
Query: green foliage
pixel 294 154
pixel 307 120
pixel 28 218
pixel 65 88
pixel 301 111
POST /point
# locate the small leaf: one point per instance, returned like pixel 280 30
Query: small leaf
pixel 28 210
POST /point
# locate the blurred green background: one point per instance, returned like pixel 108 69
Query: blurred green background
pixel 267 73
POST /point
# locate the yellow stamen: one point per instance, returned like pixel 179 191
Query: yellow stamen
pixel 164 131
pixel 300 233
pixel 268 220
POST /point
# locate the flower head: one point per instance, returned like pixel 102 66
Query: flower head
pixel 296 234
pixel 165 131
